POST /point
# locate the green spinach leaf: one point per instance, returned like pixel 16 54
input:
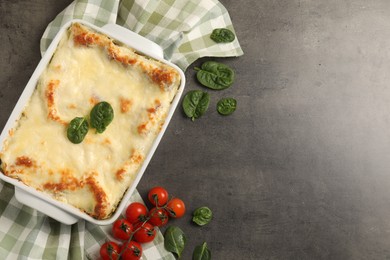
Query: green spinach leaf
pixel 77 130
pixel 222 35
pixel 174 240
pixel 226 106
pixel 101 116
pixel 196 103
pixel 202 216
pixel 201 252
pixel 215 75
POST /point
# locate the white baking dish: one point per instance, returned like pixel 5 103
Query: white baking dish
pixel 62 212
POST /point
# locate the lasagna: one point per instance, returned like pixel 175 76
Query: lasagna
pixel 89 67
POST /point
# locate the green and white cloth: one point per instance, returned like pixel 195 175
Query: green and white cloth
pixel 182 28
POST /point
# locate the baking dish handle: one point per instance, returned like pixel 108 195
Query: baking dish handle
pixel 134 40
pixel 48 209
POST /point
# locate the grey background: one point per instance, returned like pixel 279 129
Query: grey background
pixel 301 169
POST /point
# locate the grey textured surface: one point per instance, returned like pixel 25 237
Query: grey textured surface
pixel 301 169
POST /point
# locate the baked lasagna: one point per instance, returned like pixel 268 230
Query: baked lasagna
pixel 87 68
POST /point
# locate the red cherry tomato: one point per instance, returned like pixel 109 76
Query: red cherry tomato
pixel 158 217
pixel 131 251
pixel 176 208
pixel 122 229
pixel 158 196
pixel 110 251
pixel 144 233
pixel 136 212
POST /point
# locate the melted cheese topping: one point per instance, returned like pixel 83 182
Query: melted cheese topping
pixel 87 68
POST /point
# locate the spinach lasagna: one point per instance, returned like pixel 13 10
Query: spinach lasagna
pixel 88 68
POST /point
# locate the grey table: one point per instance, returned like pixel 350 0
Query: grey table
pixel 301 169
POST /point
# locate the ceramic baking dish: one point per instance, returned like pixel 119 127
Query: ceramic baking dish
pixel 42 202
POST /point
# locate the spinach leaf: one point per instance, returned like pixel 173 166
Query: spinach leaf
pixel 226 106
pixel 202 216
pixel 222 35
pixel 174 240
pixel 201 252
pixel 215 75
pixel 101 116
pixel 196 103
pixel 77 130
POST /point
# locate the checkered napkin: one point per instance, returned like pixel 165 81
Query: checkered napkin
pixel 182 28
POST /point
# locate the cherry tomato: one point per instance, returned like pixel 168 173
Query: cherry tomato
pixel 176 208
pixel 144 233
pixel 110 251
pixel 131 251
pixel 136 212
pixel 122 229
pixel 158 217
pixel 158 196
